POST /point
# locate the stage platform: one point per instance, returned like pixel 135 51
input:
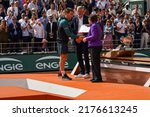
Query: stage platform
pixel 122 84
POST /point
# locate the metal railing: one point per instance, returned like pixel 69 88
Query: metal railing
pixel 30 47
pixel 50 47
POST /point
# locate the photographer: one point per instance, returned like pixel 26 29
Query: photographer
pixel 25 26
pixel 39 35
pixel 145 34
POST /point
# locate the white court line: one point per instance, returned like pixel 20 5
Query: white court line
pixel 42 86
pixel 132 68
pixel 147 84
pixel 114 66
pixel 54 88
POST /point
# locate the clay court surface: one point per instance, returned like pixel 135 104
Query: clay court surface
pixel 117 85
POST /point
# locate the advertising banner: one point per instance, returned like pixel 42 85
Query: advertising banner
pixel 34 62
pixel 43 62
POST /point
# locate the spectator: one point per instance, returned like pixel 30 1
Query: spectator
pixel 119 7
pixel 44 20
pixel 148 18
pixel 2 13
pixel 101 4
pixel 8 18
pixel 127 10
pixel 112 11
pixel 15 33
pixel 26 11
pixel 25 26
pixel 106 16
pixel 44 8
pixel 51 29
pixel 70 3
pixel 131 28
pixel 22 18
pixel 136 11
pixel 4 36
pixel 121 29
pixel 13 8
pixel 108 33
pixel 145 34
pixel 138 30
pixel 39 35
pixel 33 5
pixel 52 11
pixel 60 10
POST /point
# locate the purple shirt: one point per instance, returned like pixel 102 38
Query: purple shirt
pixel 94 37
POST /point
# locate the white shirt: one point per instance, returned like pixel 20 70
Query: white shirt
pixel 21 20
pixel 53 12
pixel 51 24
pixel 80 23
pixel 112 11
pixel 101 4
pixel 38 31
pixel 134 11
pixel 122 26
pixel 8 19
pixel 127 11
pixel 32 5
pixel 14 10
pixel 25 31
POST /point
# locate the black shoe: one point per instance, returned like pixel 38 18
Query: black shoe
pixel 66 77
pixel 95 81
pixel 59 74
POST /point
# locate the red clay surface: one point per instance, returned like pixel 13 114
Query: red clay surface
pixel 95 91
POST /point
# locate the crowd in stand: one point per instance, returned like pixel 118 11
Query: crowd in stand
pixel 26 25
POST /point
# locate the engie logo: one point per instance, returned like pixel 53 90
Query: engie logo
pixel 10 64
pixel 133 6
pixel 52 64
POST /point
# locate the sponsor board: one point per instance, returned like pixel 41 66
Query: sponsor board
pixel 52 64
pixel 10 64
pixel 31 63
pixel 43 62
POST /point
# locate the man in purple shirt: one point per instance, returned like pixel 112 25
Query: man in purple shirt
pixel 94 39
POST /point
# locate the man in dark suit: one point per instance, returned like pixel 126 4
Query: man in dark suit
pixel 51 29
pixel 81 48
pixel 15 34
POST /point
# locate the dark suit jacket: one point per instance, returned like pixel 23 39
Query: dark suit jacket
pixel 12 31
pixel 54 31
pixel 104 18
pixel 76 22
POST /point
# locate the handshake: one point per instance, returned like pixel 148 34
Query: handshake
pixel 80 38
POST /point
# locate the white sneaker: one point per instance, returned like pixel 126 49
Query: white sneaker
pixel 79 75
pixel 86 76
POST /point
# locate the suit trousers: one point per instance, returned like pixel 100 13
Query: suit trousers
pixel 95 61
pixel 82 50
